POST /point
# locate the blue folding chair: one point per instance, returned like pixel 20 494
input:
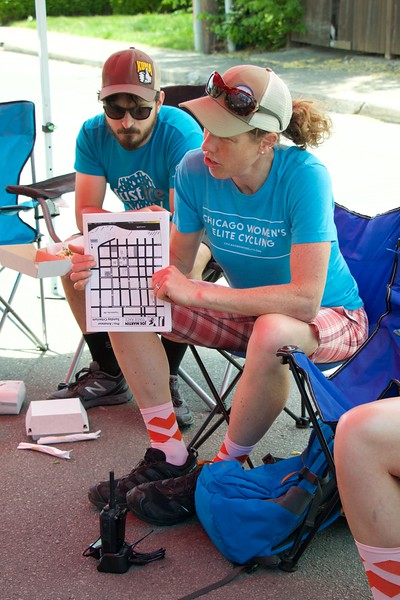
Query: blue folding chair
pixel 17 142
pixel 370 248
pixel 373 372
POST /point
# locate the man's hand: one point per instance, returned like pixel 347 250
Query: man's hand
pixel 152 208
pixel 171 285
pixel 81 267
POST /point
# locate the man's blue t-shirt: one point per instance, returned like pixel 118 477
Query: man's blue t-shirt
pixel 143 176
pixel 251 235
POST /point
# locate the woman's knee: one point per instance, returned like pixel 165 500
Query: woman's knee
pixel 272 331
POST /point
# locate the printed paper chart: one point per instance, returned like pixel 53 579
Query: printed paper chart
pixel 128 248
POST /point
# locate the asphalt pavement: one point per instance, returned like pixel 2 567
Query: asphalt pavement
pixel 47 520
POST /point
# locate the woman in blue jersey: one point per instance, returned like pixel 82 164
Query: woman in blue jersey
pixel 268 212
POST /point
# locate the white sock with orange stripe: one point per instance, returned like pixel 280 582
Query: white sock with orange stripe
pixel 382 566
pixel 164 432
pixel 231 451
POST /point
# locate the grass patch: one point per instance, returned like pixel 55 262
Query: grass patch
pixel 171 31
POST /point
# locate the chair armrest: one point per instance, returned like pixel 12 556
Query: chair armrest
pixel 16 208
pixel 48 220
pixel 41 191
pixel 48 189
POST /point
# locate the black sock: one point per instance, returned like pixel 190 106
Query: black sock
pixel 175 352
pixel 101 350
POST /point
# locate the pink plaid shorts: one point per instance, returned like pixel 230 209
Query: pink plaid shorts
pixel 340 331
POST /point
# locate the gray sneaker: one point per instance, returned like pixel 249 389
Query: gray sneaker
pixel 95 388
pixel 182 411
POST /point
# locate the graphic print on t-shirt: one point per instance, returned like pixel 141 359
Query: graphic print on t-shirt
pixel 138 191
pixel 247 236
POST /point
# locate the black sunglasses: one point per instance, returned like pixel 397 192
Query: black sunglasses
pixel 238 101
pixel 139 113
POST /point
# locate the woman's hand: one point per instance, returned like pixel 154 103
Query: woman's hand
pixel 171 285
pixel 81 267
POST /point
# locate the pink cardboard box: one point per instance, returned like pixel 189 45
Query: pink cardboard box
pixel 27 259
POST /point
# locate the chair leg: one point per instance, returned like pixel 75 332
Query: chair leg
pixel 302 421
pixel 290 558
pixel 9 312
pixel 205 431
pixel 201 434
pixel 196 388
pixel 43 312
pixel 75 361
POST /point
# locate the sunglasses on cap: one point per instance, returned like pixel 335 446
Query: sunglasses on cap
pixel 238 101
pixel 139 113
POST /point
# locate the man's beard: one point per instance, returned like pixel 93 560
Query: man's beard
pixel 133 138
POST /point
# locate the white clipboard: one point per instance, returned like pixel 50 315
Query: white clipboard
pixel 128 248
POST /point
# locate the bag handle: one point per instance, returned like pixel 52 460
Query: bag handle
pixel 237 570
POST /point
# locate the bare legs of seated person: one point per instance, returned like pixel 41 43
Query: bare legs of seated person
pixel 367 457
pixel 103 383
pixel 259 398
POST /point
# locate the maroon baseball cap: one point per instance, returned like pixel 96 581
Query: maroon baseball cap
pixel 130 72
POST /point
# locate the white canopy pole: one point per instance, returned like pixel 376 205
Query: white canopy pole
pixel 228 10
pixel 47 126
pixel 197 27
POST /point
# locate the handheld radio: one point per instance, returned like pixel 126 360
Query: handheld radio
pixel 113 553
pixel 114 556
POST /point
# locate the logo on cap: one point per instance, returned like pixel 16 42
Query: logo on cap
pixel 144 71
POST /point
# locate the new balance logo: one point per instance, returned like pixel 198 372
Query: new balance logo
pixel 95 389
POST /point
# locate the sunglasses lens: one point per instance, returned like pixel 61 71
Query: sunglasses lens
pixel 113 111
pixel 215 85
pixel 140 113
pixel 240 103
